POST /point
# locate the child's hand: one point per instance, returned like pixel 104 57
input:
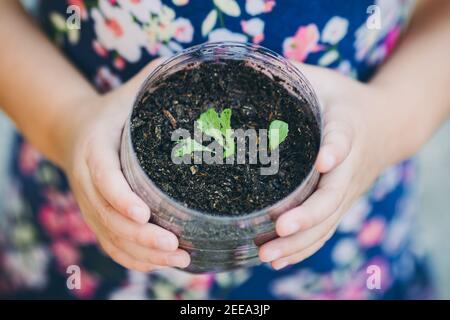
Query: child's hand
pixel 118 216
pixel 350 159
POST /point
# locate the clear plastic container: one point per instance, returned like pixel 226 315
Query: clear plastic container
pixel 219 243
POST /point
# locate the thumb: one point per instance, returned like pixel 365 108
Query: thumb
pixel 338 133
pixel 336 145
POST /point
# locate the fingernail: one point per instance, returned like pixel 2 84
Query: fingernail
pixel 272 254
pixel 139 214
pixel 166 243
pixel 177 261
pixel 281 265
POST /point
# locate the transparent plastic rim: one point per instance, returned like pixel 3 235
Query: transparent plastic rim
pixel 258 213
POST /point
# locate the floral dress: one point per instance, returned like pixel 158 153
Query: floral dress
pixel 42 232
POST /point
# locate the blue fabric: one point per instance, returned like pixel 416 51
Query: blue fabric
pixel 376 231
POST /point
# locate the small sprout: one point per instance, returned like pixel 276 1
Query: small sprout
pixel 219 128
pixel 278 131
pixel 227 132
pixel 225 120
pixel 209 123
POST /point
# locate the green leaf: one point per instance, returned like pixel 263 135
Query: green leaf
pixel 209 124
pixel 225 120
pixel 229 147
pixel 229 7
pixel 73 36
pixel 328 58
pixel 209 22
pixel 58 21
pixel 278 131
pixel 209 120
pixel 189 146
pixel 215 126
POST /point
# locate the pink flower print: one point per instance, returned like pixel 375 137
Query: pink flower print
pixel 258 38
pixel 114 27
pixel 304 42
pixel 184 31
pixel 77 229
pixel 323 296
pixel 61 201
pixel 66 254
pixel 142 10
pixel 105 80
pixel 268 5
pixel 353 292
pixel 254 28
pixel 99 49
pixel 391 39
pixel 117 30
pixel 61 216
pixel 153 48
pixel 255 7
pixel 29 158
pixel 201 282
pixel 119 63
pixel 372 232
pixel 52 222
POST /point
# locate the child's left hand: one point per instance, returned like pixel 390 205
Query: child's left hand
pixel 352 155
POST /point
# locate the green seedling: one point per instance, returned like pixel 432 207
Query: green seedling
pixel 278 131
pixel 218 127
pixel 188 146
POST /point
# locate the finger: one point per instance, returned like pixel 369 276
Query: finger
pixel 104 168
pixel 316 209
pixel 337 134
pixel 298 257
pixel 303 254
pixel 148 234
pixel 336 145
pixel 178 258
pixel 286 246
pixel 125 260
pixel 283 247
pixel 104 164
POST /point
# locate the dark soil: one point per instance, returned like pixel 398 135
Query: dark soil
pixel 255 100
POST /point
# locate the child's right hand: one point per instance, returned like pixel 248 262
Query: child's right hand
pixel 117 216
